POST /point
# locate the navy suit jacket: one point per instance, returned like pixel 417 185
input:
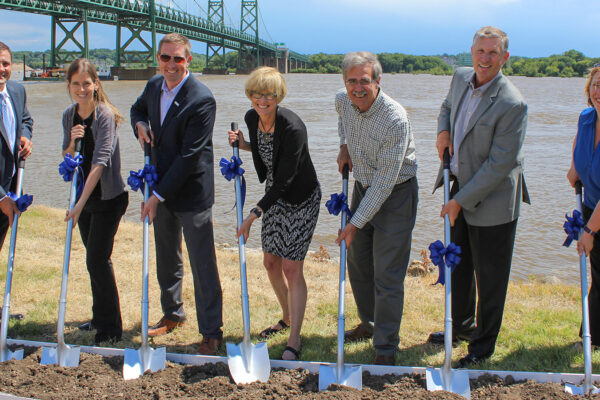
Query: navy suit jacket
pixel 183 148
pixel 24 127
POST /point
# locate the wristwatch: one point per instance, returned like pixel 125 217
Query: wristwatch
pixel 591 232
pixel 256 212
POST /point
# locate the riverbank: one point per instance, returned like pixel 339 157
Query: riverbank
pixel 541 319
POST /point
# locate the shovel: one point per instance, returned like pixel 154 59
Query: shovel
pixel 587 386
pixel 247 362
pixel 341 374
pixel 64 355
pixel 446 378
pixel 5 353
pixel 137 362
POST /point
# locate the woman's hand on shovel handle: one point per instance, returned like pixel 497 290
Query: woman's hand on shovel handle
pixel 245 228
pixel 238 135
pixel 74 213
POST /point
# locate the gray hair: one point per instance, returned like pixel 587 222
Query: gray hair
pixel 492 32
pixel 360 58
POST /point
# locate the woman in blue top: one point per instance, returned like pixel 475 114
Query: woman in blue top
pixel 585 166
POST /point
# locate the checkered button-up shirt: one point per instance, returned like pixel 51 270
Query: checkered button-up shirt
pixel 381 147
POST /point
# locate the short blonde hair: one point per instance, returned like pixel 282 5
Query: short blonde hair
pixel 266 80
pixel 593 72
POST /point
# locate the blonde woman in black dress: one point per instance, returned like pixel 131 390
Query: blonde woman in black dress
pixel 290 206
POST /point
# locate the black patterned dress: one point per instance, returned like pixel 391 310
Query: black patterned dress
pixel 287 229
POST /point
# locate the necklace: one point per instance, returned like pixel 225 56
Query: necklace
pixel 263 126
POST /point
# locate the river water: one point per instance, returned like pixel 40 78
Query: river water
pixel 554 106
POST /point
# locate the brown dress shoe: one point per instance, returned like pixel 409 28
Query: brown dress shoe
pixel 164 326
pixel 356 334
pixel 384 360
pixel 209 346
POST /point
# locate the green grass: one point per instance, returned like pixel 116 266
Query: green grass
pixel 541 321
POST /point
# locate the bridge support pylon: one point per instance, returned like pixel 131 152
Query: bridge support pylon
pixel 215 53
pixel 69 26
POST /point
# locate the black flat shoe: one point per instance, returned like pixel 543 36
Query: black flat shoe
pixel 295 352
pixel 438 338
pixel 270 331
pixel 470 360
pixel 88 326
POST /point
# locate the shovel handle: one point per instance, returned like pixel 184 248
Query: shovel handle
pixel 77 145
pixel 21 163
pixel 345 170
pixel 147 149
pixel 446 158
pixel 578 187
pixel 234 127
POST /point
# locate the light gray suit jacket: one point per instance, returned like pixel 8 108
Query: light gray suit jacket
pixel 490 164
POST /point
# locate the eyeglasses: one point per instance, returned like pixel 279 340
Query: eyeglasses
pixel 166 58
pixel 362 82
pixel 268 96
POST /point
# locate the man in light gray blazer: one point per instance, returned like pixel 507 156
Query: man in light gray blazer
pixel 482 122
pixel 16 126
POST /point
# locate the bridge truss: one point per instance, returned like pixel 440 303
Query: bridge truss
pixel 139 16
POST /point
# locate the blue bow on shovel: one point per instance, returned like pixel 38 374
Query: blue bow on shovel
pixel 441 256
pixel 22 202
pixel 337 204
pixel 148 174
pixel 231 169
pixel 573 226
pixel 68 167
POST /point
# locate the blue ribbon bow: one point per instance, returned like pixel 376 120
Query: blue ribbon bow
pixel 147 174
pixel 22 202
pixel 67 169
pixel 442 256
pixel 231 169
pixel 337 204
pixel 573 226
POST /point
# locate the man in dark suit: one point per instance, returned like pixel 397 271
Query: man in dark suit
pixel 482 122
pixel 16 127
pixel 176 113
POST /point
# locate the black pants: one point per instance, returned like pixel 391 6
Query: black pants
pixel 594 295
pixel 486 256
pixel 98 225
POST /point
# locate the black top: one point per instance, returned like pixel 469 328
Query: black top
pixel 294 176
pixel 87 149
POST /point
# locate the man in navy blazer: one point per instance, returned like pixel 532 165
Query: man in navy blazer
pixel 176 113
pixel 482 122
pixel 16 126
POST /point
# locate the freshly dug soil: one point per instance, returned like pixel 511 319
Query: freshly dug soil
pixel 100 377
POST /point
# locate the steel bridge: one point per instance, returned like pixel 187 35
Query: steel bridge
pixel 137 16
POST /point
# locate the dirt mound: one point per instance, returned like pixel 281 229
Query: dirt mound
pixel 100 377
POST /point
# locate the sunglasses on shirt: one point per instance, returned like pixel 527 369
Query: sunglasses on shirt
pixel 166 58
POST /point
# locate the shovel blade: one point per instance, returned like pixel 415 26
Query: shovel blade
pixel 578 390
pixel 137 362
pixel 457 381
pixel 65 356
pixel 8 355
pixel 248 363
pixel 351 376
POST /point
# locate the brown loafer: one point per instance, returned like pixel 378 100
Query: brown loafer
pixel 384 360
pixel 209 346
pixel 356 334
pixel 164 326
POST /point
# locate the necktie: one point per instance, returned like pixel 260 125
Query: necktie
pixel 8 119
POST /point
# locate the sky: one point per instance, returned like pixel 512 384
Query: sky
pixel 535 28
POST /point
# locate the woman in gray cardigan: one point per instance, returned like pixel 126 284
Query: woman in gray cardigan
pixel 103 200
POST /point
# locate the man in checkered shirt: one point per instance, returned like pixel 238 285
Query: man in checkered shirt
pixel 377 143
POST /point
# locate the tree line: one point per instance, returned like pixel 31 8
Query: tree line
pixel 571 63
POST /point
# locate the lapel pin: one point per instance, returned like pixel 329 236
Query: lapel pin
pixel 176 103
